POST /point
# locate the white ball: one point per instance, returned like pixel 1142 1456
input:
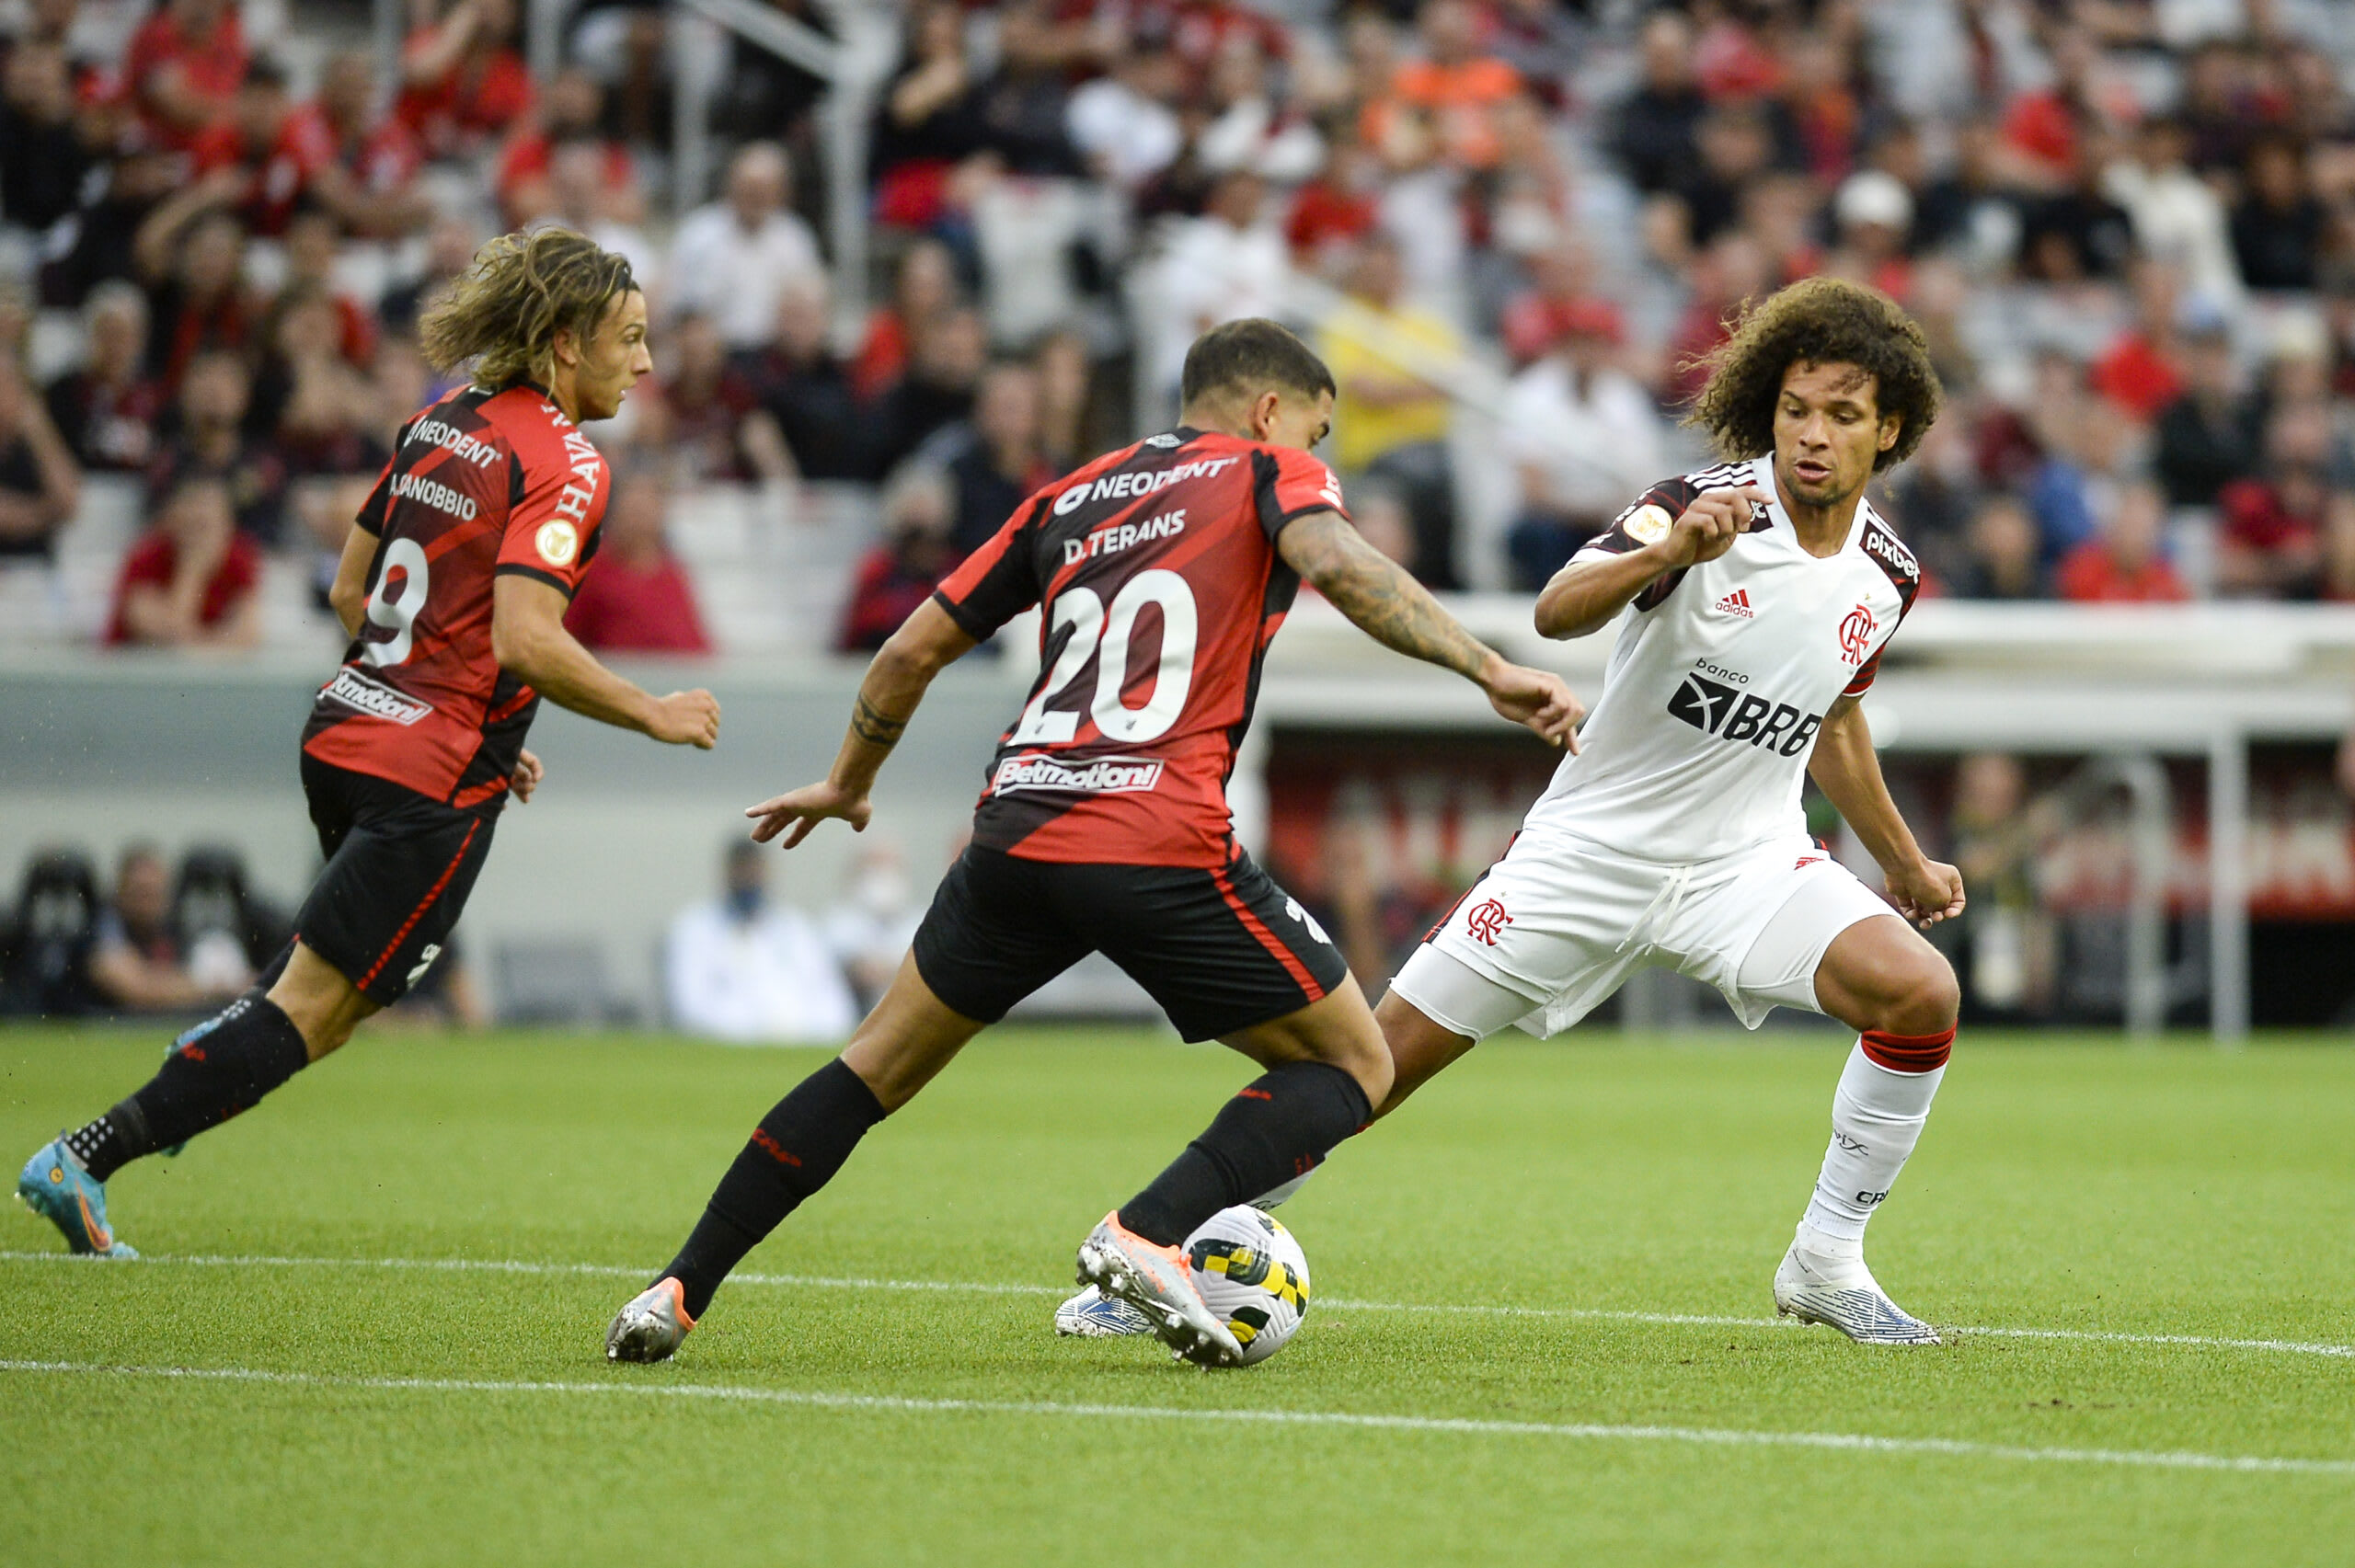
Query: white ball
pixel 1253 1274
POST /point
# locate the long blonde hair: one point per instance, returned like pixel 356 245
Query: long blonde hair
pixel 503 312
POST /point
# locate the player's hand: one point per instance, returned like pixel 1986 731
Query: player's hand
pixel 526 777
pixel 686 719
pixel 1538 699
pixel 796 812
pixel 1926 893
pixel 1709 526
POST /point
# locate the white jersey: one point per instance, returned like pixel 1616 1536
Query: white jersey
pixel 1721 676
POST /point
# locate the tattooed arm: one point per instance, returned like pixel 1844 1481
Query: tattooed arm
pixel 1382 601
pixel 928 643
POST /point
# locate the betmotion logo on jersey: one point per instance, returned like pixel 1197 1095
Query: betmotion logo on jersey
pixel 1729 714
pixel 1104 775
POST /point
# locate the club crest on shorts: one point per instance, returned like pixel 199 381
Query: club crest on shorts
pixel 1487 920
pixel 1856 635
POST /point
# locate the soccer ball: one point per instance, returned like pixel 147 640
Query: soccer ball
pixel 1253 1274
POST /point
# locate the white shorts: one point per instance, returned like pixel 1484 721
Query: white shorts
pixel 1559 924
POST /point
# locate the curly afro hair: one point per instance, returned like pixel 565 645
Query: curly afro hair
pixel 1819 321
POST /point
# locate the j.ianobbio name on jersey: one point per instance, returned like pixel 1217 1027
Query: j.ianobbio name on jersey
pixel 434 494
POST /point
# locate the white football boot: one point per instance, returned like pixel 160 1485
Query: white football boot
pixel 1158 1282
pixel 651 1325
pixel 1091 1314
pixel 1833 1286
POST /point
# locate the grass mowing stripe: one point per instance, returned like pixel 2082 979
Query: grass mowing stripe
pixel 1344 1304
pixel 897 1403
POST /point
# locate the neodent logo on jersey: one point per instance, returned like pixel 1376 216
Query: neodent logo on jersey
pixel 1730 714
pixel 1104 775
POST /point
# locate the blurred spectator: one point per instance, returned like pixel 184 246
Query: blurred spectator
pixel 2277 228
pixel 107 410
pixel 2122 563
pixel 2338 548
pixel 731 259
pixel 923 285
pixel 1732 269
pixel 2003 946
pixel 2085 441
pixel 190 581
pixel 872 925
pixel 2271 544
pixel 2179 221
pixel 2076 232
pixel 804 390
pixel 585 189
pixel 248 146
pixel 1248 126
pixel 900 571
pixel 2003 554
pixel 1973 211
pixel 309 250
pixel 636 597
pixel 1874 212
pixel 2207 437
pixel 1067 436
pixel 138 964
pixel 746 970
pixel 210 442
pixel 1125 123
pixel 2141 370
pixel 192 259
pixel 1333 212
pixel 1734 146
pixel 1656 136
pixel 48 937
pixel 1584 439
pixel 43 156
pixel 945 363
pixel 1228 263
pixel 39 485
pixel 705 426
pixel 449 243
pixel 103 243
pixel 329 414
pixel 357 163
pixel 1390 420
pixel 463 82
pixel 993 464
pixel 183 69
pixel 569 110
pixel 229 933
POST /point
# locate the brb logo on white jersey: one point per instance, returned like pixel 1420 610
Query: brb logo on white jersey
pixel 1719 710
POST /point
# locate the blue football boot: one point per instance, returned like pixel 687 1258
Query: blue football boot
pixel 53 1186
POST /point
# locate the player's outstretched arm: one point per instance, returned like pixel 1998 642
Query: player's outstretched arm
pixel 926 643
pixel 1584 595
pixel 1846 769
pixel 528 638
pixel 1382 601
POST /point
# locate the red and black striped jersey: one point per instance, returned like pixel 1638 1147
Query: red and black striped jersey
pixel 1155 572
pixel 480 484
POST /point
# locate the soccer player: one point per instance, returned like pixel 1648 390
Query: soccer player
pixel 1163 570
pixel 453 583
pixel 1754 602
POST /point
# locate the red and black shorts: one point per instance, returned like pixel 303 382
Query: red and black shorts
pixel 1218 950
pixel 400 867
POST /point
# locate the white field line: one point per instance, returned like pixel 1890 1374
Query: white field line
pixel 1944 1447
pixel 1336 1303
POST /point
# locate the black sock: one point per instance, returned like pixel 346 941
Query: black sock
pixel 795 1149
pixel 225 1066
pixel 1278 1128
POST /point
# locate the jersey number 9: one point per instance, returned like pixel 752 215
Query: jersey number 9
pixel 398 602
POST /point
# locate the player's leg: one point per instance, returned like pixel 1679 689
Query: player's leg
pixel 1834 947
pixel 980 943
pixel 399 868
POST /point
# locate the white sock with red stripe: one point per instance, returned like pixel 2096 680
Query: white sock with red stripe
pixel 1876 1115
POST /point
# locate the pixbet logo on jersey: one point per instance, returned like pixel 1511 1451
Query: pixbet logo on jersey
pixel 1730 714
pixel 1856 635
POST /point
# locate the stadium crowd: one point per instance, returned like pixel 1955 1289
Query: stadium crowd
pixel 2127 225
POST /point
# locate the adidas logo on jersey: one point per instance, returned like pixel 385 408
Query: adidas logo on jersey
pixel 1730 714
pixel 1736 603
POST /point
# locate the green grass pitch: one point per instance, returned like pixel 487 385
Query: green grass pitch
pixel 1542 1331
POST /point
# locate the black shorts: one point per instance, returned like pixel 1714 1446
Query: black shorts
pixel 400 867
pixel 1218 950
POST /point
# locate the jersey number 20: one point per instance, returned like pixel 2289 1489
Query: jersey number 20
pixel 1106 633
pixel 396 610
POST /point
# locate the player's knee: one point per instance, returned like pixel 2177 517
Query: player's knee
pixel 1925 999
